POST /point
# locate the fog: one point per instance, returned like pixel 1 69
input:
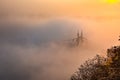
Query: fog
pixel 39 50
pixel 35 36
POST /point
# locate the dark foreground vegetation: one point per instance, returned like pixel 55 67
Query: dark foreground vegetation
pixel 100 68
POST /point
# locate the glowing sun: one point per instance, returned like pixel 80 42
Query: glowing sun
pixel 112 1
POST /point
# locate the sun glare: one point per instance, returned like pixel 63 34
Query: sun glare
pixel 112 1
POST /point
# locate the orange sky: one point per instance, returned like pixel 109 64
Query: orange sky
pixel 61 7
pixel 102 15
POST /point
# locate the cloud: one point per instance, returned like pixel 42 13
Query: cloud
pixel 33 52
pixel 51 31
pixel 38 51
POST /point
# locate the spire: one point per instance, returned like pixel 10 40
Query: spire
pixel 81 33
pixel 78 33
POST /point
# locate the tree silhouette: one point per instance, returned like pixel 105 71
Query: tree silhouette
pixel 100 68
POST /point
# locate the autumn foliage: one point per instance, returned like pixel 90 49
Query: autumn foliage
pixel 100 68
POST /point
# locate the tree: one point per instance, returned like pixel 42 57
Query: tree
pixel 100 68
